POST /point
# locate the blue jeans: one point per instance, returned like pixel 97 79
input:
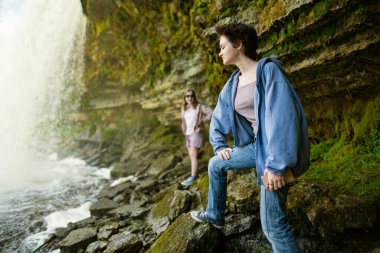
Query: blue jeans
pixel 272 204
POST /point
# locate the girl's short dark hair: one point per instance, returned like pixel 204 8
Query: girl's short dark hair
pixel 238 32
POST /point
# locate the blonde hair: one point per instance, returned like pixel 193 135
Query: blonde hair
pixel 184 105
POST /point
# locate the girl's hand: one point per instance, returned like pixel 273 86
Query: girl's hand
pixel 274 182
pixel 224 154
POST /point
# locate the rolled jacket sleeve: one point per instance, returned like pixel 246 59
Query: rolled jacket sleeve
pixel 281 122
pixel 220 124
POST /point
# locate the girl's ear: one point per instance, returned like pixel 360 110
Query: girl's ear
pixel 239 46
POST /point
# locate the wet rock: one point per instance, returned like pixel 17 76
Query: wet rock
pixel 124 242
pixel 254 241
pixel 125 211
pixel 88 222
pixel 98 10
pixel 37 226
pixel 180 203
pixel 106 230
pixel 77 240
pixel 128 149
pixel 105 234
pixel 148 187
pixel 147 184
pixel 96 247
pixel 173 204
pixel 62 232
pixel 108 221
pixel 243 192
pixel 236 224
pixel 200 191
pixel 121 198
pixel 102 206
pixel 186 235
pixel 86 136
pixel 109 226
pixel 163 164
pixel 110 192
pixel 136 226
pixel 93 160
pixel 128 168
pixel 159 224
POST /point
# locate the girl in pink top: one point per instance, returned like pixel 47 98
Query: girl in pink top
pixel 194 115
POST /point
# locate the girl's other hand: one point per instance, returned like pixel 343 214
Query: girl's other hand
pixel 224 154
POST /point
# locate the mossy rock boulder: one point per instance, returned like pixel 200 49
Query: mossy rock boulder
pixel 243 194
pixel 185 235
pixel 328 210
pixel 200 190
pixel 174 203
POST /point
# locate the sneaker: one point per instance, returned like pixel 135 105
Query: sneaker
pixel 202 217
pixel 186 183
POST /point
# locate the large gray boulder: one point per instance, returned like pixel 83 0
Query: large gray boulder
pixel 128 168
pixel 102 206
pixel 125 211
pixel 77 240
pixel 96 247
pixel 162 163
pixel 112 191
pixel 124 242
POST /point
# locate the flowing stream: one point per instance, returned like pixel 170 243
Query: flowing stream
pixel 41 65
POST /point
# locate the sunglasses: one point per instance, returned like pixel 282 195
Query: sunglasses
pixel 189 96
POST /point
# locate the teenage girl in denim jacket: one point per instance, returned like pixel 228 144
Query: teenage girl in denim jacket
pixel 259 107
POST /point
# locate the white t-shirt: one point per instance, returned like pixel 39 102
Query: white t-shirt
pixel 190 119
pixel 244 103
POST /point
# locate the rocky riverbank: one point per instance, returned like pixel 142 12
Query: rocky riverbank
pixel 149 212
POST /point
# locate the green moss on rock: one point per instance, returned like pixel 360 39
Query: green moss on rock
pixel 161 209
pixel 186 235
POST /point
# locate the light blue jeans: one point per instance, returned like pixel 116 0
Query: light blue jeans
pixel 272 204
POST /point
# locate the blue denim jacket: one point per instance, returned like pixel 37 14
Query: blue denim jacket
pixel 282 139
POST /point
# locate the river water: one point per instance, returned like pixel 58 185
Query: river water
pixel 41 65
pixel 29 215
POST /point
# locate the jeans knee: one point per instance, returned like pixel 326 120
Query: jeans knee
pixel 214 165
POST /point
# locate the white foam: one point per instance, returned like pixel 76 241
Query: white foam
pixel 62 218
pixel 73 161
pixel 124 179
pixel 59 219
pixel 103 173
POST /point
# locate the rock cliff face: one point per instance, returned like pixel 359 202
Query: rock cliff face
pixel 145 54
pixel 142 55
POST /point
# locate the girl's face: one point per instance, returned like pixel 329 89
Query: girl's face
pixel 189 98
pixel 228 53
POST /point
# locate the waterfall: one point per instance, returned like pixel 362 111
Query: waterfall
pixel 41 63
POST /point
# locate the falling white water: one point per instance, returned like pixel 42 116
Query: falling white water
pixel 41 59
